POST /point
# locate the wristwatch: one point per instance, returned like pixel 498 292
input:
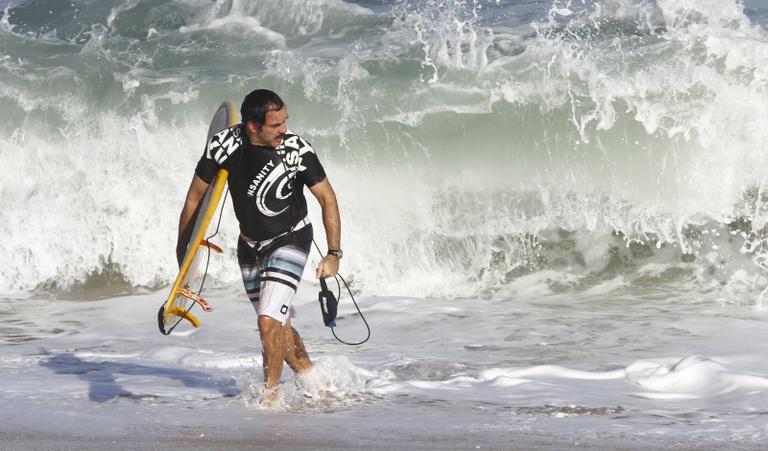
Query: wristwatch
pixel 338 253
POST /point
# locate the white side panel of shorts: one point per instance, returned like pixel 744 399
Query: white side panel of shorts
pixel 275 301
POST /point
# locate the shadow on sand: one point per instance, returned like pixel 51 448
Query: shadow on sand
pixel 103 387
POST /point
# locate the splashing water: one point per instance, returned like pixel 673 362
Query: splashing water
pixel 333 383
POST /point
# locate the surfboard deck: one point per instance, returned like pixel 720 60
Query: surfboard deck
pixel 188 284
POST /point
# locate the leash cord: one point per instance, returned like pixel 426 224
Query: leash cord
pixel 337 276
pixel 352 296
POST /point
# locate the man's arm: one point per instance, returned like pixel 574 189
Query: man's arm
pixel 323 191
pixel 195 195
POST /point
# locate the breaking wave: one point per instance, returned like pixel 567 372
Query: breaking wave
pixel 475 146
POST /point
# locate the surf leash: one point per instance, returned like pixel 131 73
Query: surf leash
pixel 329 305
pixel 328 302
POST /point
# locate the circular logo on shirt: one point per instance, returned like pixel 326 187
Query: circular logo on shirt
pixel 273 192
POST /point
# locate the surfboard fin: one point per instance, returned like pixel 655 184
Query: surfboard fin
pixel 197 299
pixel 211 246
pixel 183 313
pixel 177 311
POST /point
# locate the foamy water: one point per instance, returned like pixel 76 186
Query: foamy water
pixel 484 128
pixel 597 370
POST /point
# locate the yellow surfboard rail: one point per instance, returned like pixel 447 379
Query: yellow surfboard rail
pixel 175 307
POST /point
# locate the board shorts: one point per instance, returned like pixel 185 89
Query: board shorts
pixel 272 271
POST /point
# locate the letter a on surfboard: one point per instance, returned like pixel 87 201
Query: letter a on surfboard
pixel 188 285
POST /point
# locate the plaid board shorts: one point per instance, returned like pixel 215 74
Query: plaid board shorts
pixel 271 275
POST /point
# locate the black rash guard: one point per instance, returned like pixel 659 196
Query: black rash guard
pixel 262 179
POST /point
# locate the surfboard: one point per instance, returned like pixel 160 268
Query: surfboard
pixel 187 288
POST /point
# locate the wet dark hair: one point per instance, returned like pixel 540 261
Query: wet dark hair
pixel 258 103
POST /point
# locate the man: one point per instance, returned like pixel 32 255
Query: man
pixel 268 169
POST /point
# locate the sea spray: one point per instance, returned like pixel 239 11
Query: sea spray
pixel 470 144
pixel 334 383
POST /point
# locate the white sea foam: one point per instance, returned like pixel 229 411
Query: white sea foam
pixel 519 136
pixel 200 358
pixel 552 371
pixel 693 376
pixel 478 361
pixel 248 24
pixel 332 384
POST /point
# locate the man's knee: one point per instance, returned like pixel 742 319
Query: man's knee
pixel 269 327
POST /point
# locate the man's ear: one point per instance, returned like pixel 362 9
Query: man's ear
pixel 251 127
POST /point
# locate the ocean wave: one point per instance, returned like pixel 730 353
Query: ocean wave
pixel 490 135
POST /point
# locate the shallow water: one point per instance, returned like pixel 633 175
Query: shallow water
pixel 593 369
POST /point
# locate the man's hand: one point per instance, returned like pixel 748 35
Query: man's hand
pixel 328 267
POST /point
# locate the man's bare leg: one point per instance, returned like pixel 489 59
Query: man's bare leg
pixel 295 353
pixel 273 342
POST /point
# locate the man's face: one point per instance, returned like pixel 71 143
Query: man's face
pixel 272 131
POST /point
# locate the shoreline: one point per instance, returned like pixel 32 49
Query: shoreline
pixel 13 441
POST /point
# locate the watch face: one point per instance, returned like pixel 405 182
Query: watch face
pixel 337 252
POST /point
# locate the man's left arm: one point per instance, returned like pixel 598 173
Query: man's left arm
pixel 323 191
